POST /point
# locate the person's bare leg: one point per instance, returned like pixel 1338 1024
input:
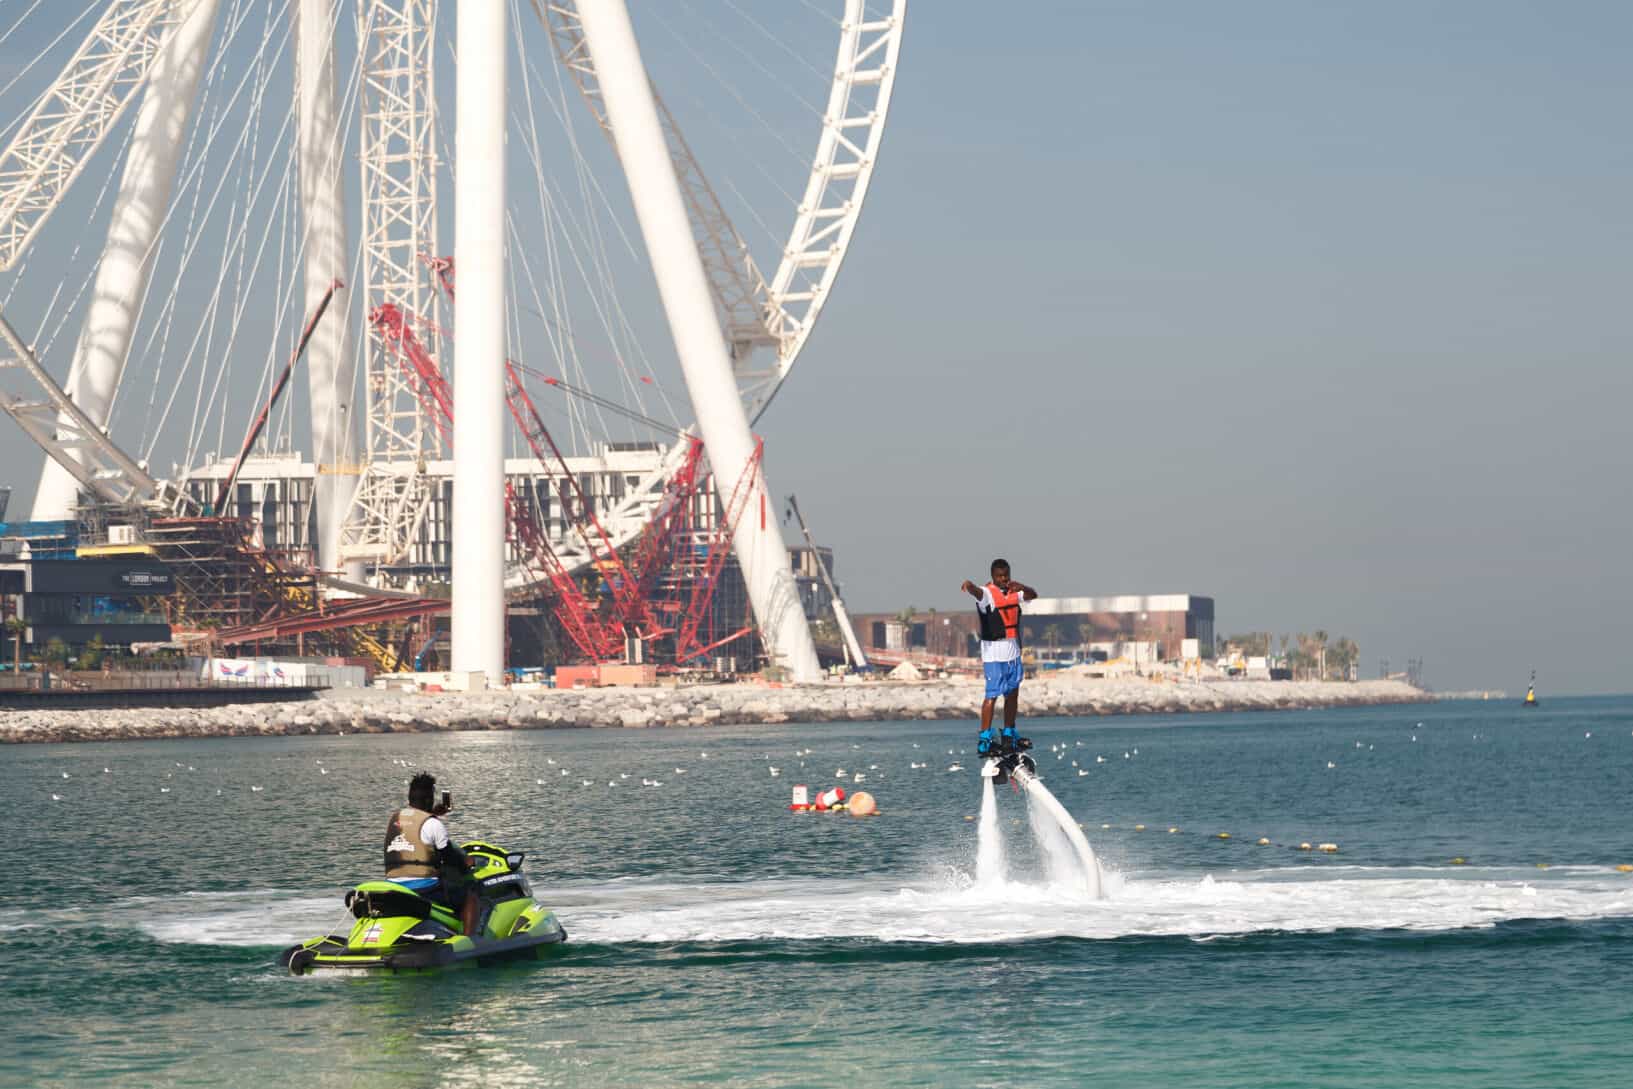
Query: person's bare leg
pixel 467 914
pixel 986 713
pixel 1011 700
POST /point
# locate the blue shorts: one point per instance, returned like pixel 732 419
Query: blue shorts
pixel 1002 677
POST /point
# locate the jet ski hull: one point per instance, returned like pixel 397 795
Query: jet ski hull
pixel 334 954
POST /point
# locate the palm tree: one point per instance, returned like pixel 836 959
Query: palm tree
pixel 1320 639
pixel 16 625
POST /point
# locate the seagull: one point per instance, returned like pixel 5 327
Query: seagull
pixel 548 760
pixel 955 767
pixel 840 773
pixel 539 782
pixel 1331 765
pixel 56 797
pixel 612 782
pixel 775 771
pixel 164 790
pixel 65 775
pixel 1081 772
pixel 564 771
pixel 873 767
pixel 703 755
pixel 915 744
pixel 107 771
pixel 323 771
pixel 1125 756
pixel 584 782
pixel 1100 760
pixel 680 771
pixel 623 775
pixel 257 790
pixel 858 777
pixel 651 783
pixel 1074 763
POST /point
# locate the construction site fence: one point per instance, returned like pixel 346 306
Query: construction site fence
pixel 136 680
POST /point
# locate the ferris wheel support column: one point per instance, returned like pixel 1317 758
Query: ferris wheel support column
pixel 138 213
pixel 331 366
pixel 683 284
pixel 478 634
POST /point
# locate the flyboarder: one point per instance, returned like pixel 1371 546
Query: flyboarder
pixel 998 606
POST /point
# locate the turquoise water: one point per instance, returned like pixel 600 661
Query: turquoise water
pixel 718 939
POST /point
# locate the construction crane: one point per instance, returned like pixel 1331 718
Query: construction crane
pixel 596 637
pixel 272 400
pixel 854 655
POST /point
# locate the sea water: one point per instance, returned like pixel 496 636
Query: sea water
pixel 1472 928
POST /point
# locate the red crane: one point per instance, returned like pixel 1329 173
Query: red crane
pixel 595 637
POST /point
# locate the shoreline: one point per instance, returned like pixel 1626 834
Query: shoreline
pixel 369 710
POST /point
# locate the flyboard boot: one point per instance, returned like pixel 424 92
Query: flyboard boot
pixel 1003 754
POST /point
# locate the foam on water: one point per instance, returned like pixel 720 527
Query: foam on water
pixel 955 908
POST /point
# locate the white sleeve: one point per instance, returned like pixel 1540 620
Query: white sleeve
pixel 985 604
pixel 433 833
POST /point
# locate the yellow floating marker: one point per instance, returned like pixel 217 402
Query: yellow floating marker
pixel 1330 848
pixel 1304 846
pixel 1624 868
pixel 1542 865
pixel 1105 826
pixel 1139 828
pixel 1262 841
pixel 968 817
pixel 1223 835
pixel 1171 831
pixel 1459 861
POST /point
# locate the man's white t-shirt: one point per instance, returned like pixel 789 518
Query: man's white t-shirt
pixel 996 650
pixel 433 833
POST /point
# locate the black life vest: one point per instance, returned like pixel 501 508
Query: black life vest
pixel 1003 620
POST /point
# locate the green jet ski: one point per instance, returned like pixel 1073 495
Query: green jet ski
pixel 399 930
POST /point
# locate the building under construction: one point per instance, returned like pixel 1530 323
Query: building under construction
pixel 242 578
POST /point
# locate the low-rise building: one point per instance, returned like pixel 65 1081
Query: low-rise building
pixel 1155 627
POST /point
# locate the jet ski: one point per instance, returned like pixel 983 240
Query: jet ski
pixel 399 930
pixel 1006 757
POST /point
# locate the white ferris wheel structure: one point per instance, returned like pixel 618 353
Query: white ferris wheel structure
pixel 153 85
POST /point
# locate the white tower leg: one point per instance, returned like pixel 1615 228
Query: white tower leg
pixel 121 278
pixel 331 367
pixel 683 285
pixel 479 347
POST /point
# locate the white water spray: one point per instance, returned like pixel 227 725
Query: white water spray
pixel 989 848
pixel 1070 858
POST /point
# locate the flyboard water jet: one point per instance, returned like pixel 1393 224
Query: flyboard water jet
pixel 1014 764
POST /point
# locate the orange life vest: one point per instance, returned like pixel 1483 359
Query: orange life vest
pixel 1003 620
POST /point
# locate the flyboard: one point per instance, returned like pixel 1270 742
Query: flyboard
pixel 1015 765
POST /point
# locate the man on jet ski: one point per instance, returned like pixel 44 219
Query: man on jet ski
pixel 419 854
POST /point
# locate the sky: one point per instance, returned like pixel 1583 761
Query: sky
pixel 1317 310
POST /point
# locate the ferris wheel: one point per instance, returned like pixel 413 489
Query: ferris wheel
pixel 222 163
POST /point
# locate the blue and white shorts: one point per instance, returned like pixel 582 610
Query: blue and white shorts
pixel 1002 677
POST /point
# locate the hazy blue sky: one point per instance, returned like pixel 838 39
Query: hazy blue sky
pixel 1319 309
pixel 1315 309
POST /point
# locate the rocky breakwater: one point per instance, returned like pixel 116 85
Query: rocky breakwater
pixel 373 711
